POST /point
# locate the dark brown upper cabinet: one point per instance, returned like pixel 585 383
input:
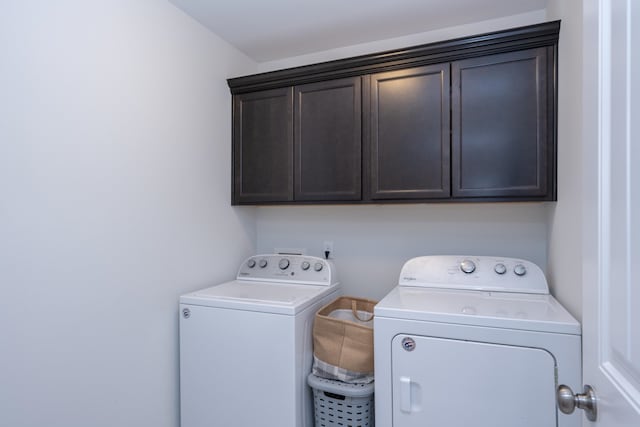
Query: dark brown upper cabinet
pixel 328 140
pixel 299 143
pixel 463 120
pixel 263 146
pixel 501 128
pixel 409 139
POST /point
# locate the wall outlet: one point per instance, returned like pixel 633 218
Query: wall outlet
pixel 327 249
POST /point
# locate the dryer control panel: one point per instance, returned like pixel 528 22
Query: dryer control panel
pixel 300 269
pixel 484 273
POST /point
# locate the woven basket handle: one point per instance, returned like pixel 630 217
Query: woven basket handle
pixel 354 310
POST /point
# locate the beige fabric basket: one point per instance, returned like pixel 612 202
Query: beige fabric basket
pixel 343 340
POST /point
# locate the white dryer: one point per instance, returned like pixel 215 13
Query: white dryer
pixel 246 345
pixel 473 341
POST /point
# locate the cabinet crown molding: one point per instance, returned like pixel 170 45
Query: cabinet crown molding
pixel 531 36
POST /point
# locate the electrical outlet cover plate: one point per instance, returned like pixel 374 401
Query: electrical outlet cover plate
pixel 327 246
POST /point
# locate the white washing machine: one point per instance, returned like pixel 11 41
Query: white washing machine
pixel 246 345
pixel 473 341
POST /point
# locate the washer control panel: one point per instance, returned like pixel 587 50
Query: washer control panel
pixel 301 269
pixel 485 273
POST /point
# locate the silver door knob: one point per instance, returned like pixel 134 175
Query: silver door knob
pixel 568 402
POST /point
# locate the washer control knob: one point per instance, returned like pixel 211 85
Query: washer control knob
pixel 283 264
pixel 468 266
pixel 305 265
pixel 251 263
pixel 317 266
pixel 520 270
pixel 500 268
pixel 262 263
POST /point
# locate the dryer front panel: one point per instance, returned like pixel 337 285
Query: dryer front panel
pixel 457 383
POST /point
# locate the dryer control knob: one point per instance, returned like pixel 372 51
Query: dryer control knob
pixel 500 268
pixel 283 264
pixel 520 270
pixel 468 266
pixel 262 263
pixel 305 265
pixel 317 266
pixel 251 263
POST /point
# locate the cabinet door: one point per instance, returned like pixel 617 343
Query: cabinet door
pixel 263 146
pixel 328 140
pixel 503 141
pixel 410 136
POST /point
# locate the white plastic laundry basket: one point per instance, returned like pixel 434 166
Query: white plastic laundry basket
pixel 341 404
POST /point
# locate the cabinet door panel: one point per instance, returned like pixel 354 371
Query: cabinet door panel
pixel 263 146
pixel 410 137
pixel 328 140
pixel 501 137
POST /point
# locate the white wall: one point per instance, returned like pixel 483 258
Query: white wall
pixel 565 216
pixel 372 242
pixel 114 199
pixel 410 40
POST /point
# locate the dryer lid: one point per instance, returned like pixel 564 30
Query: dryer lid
pixel 504 310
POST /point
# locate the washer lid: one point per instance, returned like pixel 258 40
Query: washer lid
pixel 506 310
pixel 268 297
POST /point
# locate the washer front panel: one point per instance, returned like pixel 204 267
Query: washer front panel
pixel 226 355
pixel 246 368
